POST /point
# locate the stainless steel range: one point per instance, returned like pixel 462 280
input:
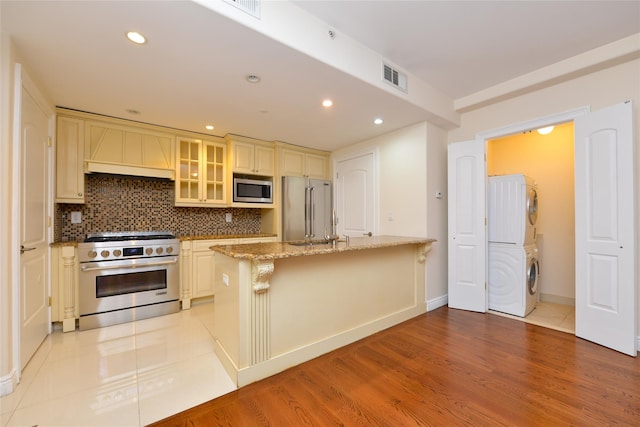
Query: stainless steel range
pixel 127 276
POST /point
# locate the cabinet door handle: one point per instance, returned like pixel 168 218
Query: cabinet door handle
pixel 23 249
pixel 368 234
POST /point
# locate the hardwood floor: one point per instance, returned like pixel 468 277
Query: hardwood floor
pixel 448 367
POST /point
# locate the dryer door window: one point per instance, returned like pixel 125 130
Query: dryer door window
pixel 532 276
pixel 532 206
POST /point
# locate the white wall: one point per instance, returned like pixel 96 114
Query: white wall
pixel 411 167
pixel 598 90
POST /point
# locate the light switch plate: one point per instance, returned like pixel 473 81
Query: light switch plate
pixel 76 217
pixel 228 217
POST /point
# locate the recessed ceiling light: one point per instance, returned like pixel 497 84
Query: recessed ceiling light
pixel 378 121
pixel 252 78
pixel 209 127
pixel 327 103
pixel 136 37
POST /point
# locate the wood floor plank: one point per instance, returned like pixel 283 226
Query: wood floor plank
pixel 447 367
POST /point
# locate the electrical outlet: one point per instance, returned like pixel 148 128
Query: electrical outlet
pixel 225 279
pixel 227 217
pixel 76 217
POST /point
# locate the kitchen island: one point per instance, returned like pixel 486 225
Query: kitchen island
pixel 280 304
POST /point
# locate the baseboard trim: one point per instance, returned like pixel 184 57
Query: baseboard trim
pixel 555 299
pixel 437 302
pixel 8 383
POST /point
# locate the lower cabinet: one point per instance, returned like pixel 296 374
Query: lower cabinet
pixel 197 266
pixel 64 286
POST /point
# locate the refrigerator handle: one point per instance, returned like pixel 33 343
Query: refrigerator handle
pixel 312 203
pixel 306 211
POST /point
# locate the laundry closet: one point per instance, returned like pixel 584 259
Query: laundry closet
pixel 537 262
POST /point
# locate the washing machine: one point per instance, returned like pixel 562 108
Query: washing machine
pixel 512 208
pixel 513 278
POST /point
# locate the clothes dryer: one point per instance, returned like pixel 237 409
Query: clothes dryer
pixel 512 206
pixel 513 278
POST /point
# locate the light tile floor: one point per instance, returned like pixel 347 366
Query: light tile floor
pixel 550 315
pixel 122 375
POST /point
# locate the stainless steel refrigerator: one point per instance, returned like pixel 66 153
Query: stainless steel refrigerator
pixel 307 208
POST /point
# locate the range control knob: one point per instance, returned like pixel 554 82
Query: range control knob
pixel 170 249
pixel 117 252
pixel 104 254
pixel 159 250
pixel 92 254
pixel 148 251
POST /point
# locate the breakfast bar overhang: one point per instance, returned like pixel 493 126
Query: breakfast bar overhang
pixel 280 304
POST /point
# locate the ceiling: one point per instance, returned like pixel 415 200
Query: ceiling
pixel 192 71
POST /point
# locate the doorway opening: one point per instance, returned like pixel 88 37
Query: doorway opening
pixel 549 160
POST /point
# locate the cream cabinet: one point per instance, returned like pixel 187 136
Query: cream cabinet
pixel 128 150
pixel 198 268
pixel 252 158
pixel 200 175
pixel 298 162
pixel 64 286
pixel 69 160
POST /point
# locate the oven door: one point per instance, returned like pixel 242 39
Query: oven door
pixel 114 285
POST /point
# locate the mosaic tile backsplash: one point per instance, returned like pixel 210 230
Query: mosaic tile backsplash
pixel 122 203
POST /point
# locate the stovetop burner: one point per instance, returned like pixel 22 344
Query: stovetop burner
pixel 120 236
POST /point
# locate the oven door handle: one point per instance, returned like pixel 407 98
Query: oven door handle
pixel 90 267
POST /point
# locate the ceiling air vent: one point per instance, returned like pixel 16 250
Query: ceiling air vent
pixel 394 77
pixel 252 7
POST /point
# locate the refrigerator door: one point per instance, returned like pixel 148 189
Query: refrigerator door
pixel 306 208
pixel 294 192
pixel 321 208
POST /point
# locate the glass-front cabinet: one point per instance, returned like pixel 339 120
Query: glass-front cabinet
pixel 200 177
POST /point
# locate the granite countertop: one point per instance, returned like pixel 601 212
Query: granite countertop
pixel 225 236
pixel 278 250
pixel 74 243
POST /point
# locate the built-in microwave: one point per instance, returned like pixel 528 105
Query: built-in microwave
pixel 252 190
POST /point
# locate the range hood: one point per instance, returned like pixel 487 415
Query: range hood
pixel 123 169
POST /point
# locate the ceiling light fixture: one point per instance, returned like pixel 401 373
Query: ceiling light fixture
pixel 378 121
pixel 136 37
pixel 209 127
pixel 327 103
pixel 252 78
pixel 545 130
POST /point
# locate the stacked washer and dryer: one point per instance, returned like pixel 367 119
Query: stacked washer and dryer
pixel 513 255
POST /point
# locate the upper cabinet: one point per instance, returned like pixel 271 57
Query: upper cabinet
pixel 200 175
pixel 124 150
pixel 250 156
pixel 69 160
pixel 296 161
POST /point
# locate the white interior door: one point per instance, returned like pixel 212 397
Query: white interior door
pixel 605 231
pixel 467 226
pixel 34 184
pixel 355 192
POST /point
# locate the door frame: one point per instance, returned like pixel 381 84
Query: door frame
pixel 22 78
pixel 549 120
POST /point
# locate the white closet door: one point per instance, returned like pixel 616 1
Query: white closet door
pixel 605 231
pixel 467 226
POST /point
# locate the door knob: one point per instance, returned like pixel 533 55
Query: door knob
pixel 23 249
